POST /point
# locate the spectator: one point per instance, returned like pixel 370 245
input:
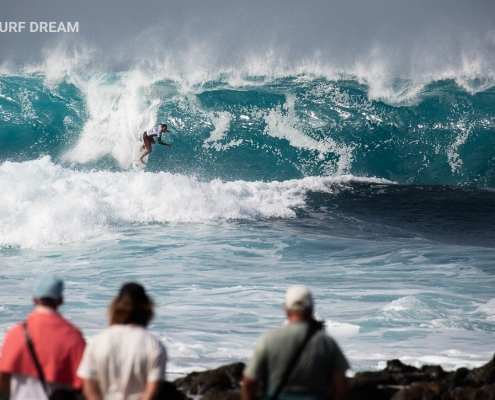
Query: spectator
pixel 124 361
pixel 319 369
pixel 58 345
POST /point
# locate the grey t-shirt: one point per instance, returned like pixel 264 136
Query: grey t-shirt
pixel 319 361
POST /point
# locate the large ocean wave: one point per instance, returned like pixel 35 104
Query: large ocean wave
pixel 250 126
pixel 247 144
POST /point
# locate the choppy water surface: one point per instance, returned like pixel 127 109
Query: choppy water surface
pixel 381 201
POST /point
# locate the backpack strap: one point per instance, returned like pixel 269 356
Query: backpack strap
pixel 41 375
pixel 313 327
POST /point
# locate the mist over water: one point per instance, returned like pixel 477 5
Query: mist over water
pixel 416 40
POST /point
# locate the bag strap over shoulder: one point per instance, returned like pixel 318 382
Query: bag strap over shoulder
pixel 41 375
pixel 313 327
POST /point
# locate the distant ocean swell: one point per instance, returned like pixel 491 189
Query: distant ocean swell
pixel 257 128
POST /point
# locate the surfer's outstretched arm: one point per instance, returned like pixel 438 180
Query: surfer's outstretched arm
pixel 165 144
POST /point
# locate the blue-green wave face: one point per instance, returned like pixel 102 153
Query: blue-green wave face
pixel 255 128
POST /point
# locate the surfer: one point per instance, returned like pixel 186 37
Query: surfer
pixel 149 140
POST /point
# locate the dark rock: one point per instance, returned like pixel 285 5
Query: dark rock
pixel 398 366
pixel 225 378
pixel 405 379
pixel 433 372
pixel 168 391
pixel 216 394
pixel 486 392
pixel 482 375
pixel 421 391
pixel 361 390
pixel 396 374
pixel 489 389
pixel 460 376
pixel 397 382
pixel 375 378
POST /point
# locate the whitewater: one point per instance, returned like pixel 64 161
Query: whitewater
pixel 377 192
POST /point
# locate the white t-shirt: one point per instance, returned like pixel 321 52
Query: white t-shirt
pixel 156 131
pixel 122 359
pixel 24 387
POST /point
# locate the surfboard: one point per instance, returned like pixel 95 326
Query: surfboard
pixel 138 150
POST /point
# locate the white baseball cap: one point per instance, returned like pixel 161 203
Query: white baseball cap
pixel 298 297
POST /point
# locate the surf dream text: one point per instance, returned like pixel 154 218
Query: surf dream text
pixel 39 27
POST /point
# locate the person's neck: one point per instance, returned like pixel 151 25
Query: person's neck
pixel 296 317
pixel 40 308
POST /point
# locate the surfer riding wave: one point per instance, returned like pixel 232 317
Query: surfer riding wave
pixel 148 139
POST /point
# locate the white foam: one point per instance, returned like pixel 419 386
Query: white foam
pixel 452 151
pixel 488 309
pixel 61 205
pixel 403 304
pixel 282 123
pixel 341 329
pixel 221 121
pixel 119 112
pixel 450 360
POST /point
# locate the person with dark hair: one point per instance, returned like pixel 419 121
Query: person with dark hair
pixel 56 345
pixel 148 139
pixel 125 361
pixel 297 361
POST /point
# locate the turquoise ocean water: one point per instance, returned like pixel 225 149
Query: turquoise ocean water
pixel 377 195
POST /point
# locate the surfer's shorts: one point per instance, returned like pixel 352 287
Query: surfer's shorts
pixel 148 141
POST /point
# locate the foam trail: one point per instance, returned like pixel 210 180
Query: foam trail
pixel 282 123
pixel 221 122
pixel 63 206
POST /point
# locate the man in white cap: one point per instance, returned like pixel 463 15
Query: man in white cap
pixel 58 346
pixel 290 369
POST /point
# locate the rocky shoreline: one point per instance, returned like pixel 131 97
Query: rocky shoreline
pixel 396 382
